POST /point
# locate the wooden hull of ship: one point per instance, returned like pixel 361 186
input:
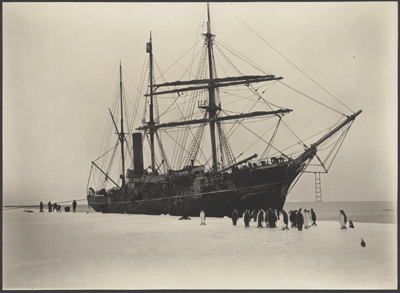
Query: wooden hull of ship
pixel 258 188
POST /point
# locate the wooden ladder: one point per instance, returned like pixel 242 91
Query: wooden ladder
pixel 318 194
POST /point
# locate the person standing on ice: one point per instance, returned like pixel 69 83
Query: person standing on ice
pixel 49 205
pixel 41 207
pixel 202 217
pixel 74 206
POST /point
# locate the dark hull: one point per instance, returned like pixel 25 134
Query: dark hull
pixel 256 188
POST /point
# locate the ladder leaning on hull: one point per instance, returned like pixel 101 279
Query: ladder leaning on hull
pixel 318 193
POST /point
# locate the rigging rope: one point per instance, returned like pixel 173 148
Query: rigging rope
pixel 312 98
pixel 290 62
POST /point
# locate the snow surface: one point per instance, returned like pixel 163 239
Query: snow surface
pixel 120 251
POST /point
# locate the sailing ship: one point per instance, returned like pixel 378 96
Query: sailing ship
pixel 219 182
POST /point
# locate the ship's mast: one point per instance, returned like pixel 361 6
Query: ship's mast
pixel 151 122
pixel 122 127
pixel 211 93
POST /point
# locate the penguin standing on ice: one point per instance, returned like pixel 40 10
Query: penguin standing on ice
pixel 260 219
pixel 306 218
pixel 234 217
pixel 293 217
pixel 363 243
pixel 285 220
pixel 351 225
pixel 202 217
pixel 246 218
pixel 254 215
pixel 299 220
pixel 313 218
pixel 342 219
pixel 270 218
pixel 290 218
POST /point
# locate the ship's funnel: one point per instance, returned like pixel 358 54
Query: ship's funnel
pixel 137 153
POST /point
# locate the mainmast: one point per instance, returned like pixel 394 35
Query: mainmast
pixel 211 93
pixel 121 136
pixel 151 122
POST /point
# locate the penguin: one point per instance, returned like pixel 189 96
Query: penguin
pixel 292 217
pixel 313 218
pixel 260 219
pixel 234 217
pixel 246 218
pixel 270 218
pixel 342 219
pixel 363 242
pixel 265 216
pixel 295 218
pixel 351 224
pixel 309 218
pixel 202 217
pixel 254 215
pixel 285 220
pixel 184 218
pixel 305 217
pixel 280 220
pixel 299 220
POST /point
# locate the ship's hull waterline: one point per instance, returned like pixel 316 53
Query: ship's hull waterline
pixel 257 188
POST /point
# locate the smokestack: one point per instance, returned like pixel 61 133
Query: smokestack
pixel 137 153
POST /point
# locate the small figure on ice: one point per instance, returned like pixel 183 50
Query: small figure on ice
pixel 74 206
pixel 362 242
pixel 184 218
pixel 246 218
pixel 254 215
pixel 260 219
pixel 313 218
pixel 342 219
pixel 235 217
pixel 299 220
pixel 202 217
pixel 284 220
pixel 351 225
pixel 41 206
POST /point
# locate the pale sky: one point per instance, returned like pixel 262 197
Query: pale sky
pixel 60 69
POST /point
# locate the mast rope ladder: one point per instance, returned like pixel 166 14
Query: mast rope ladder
pixel 195 145
pixel 225 148
pixel 163 154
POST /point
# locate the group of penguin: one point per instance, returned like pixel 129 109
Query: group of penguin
pixel 272 216
pixel 297 219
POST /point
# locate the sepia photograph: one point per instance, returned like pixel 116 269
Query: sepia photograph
pixel 200 145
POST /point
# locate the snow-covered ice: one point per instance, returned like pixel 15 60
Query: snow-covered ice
pixel 119 251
